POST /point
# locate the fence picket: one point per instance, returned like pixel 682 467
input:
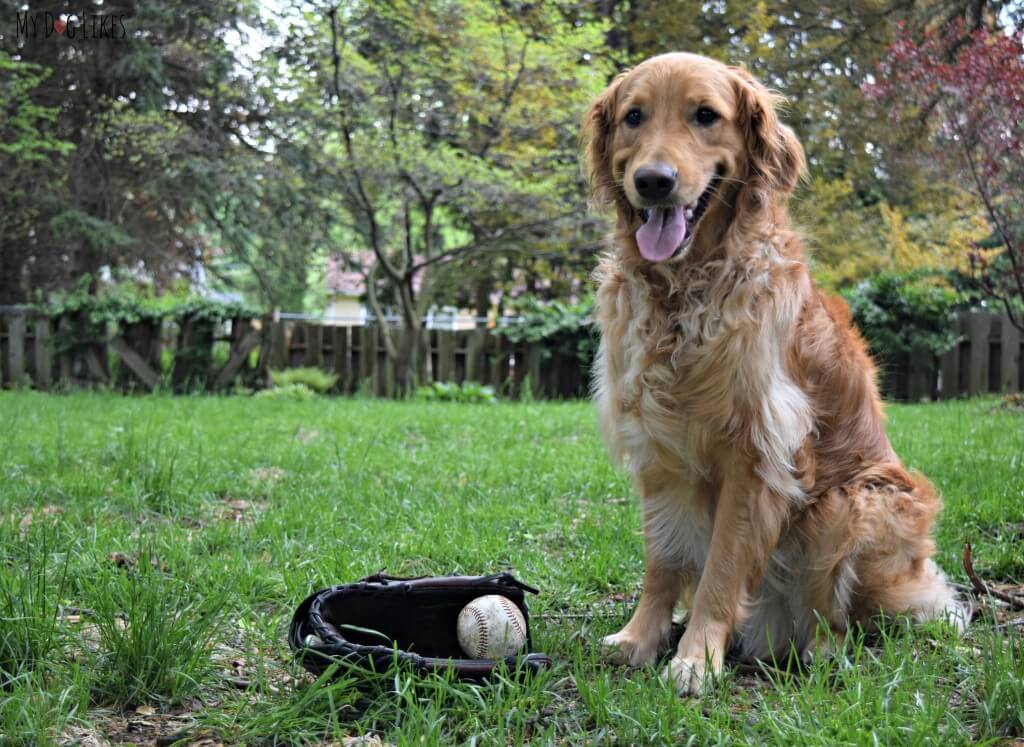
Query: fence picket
pixel 135 362
pixel 922 365
pixel 342 363
pixel 1009 356
pixel 278 346
pixel 445 355
pixel 314 345
pixel 37 349
pixel 476 355
pixel 977 329
pixel 16 347
pixel 950 367
pixel 367 353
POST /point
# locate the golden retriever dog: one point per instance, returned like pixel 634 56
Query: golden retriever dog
pixel 741 399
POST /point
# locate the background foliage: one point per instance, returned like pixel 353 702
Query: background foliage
pixel 432 147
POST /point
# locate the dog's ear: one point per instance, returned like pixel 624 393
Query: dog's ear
pixel 596 136
pixel 776 157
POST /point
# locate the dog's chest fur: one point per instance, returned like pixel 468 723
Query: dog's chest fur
pixel 692 365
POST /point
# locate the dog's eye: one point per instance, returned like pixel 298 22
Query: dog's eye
pixel 705 116
pixel 634 117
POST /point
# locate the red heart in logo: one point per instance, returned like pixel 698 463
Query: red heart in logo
pixel 59 25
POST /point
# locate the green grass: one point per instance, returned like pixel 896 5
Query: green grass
pixel 152 551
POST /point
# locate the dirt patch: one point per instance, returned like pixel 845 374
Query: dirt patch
pixel 32 515
pixel 141 726
pixel 267 475
pixel 306 435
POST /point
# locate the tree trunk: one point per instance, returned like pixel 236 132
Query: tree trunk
pixel 407 363
pixel 12 290
pixel 407 358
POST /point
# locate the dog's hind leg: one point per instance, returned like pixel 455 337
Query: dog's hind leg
pixel 924 594
pixel 894 512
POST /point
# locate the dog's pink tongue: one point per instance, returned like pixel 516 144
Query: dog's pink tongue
pixel 662 234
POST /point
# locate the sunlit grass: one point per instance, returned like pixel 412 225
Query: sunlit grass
pixel 152 551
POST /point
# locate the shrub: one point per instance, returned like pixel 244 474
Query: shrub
pixel 567 327
pixel 288 391
pixel 469 391
pixel 314 379
pixel 124 305
pixel 897 312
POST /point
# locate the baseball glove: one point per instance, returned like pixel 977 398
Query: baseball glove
pixel 383 619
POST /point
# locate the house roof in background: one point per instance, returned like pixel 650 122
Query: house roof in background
pixel 342 280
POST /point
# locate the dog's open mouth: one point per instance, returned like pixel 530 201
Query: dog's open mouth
pixel 668 230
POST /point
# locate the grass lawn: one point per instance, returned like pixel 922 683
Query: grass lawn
pixel 152 551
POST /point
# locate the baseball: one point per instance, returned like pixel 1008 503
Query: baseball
pixel 491 627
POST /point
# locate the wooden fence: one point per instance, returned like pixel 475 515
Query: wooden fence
pixel 198 354
pixel 986 360
pixel 191 354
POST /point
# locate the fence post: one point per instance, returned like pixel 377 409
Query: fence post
pixel 919 383
pixel 1009 363
pixel 951 365
pixel 342 360
pixel 390 376
pixel 244 339
pixel 375 372
pixel 16 347
pixel 314 345
pixel 64 362
pixel 475 356
pixel 534 357
pixel 367 355
pixel 497 368
pixel 3 326
pixel 278 351
pixel 978 324
pixel 445 356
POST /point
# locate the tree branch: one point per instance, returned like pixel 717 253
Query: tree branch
pixel 371 213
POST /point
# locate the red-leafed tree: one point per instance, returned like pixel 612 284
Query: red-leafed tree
pixel 967 87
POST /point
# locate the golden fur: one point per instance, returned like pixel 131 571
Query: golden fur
pixel 742 400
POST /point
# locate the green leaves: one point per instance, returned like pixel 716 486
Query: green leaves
pixel 122 306
pixel 26 130
pixel 470 392
pixel 314 379
pixel 897 312
pixel 567 327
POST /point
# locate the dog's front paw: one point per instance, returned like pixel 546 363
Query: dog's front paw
pixel 690 676
pixel 626 647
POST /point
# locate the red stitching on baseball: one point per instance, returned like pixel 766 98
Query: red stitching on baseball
pixel 513 612
pixel 481 641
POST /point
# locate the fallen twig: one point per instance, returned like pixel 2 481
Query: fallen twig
pixel 578 615
pixel 981 588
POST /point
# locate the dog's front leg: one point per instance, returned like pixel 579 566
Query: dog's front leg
pixel 638 643
pixel 747 523
pixel 677 523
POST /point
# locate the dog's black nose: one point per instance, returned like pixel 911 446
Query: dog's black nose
pixel 655 181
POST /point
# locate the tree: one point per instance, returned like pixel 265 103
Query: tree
pixel 30 152
pixel 149 116
pixel 868 201
pixel 967 88
pixel 438 134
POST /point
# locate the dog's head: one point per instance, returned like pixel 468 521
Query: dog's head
pixel 681 138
